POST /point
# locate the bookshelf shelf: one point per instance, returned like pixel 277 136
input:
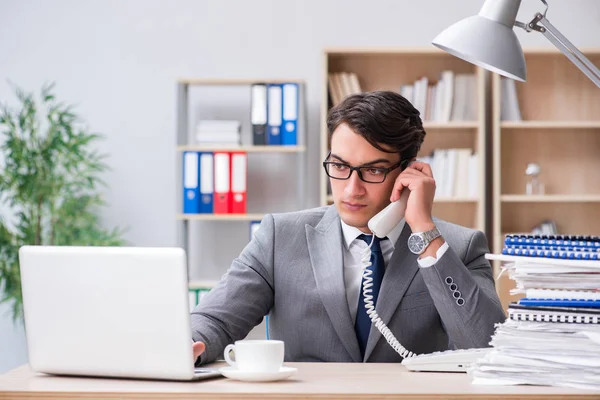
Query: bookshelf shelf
pixel 550 124
pixel 390 68
pixel 247 149
pixel 220 217
pixel 202 284
pixel 551 198
pixel 451 125
pixel 560 131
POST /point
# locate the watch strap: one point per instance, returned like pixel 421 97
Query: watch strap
pixel 431 235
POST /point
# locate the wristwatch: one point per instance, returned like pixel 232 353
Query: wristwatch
pixel 418 242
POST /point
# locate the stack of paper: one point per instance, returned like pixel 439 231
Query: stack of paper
pixel 552 335
pixel 542 353
pixel 220 132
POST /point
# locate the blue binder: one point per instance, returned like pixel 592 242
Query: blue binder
pixel 560 302
pixel 254 225
pixel 289 135
pixel 207 187
pixel 274 115
pixel 191 182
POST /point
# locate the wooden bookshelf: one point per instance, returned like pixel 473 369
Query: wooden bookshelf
pixel 388 69
pixel 560 130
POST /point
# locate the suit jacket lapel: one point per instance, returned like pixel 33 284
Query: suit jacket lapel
pixel 325 249
pixel 399 273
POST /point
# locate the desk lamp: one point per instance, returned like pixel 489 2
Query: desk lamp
pixel 488 40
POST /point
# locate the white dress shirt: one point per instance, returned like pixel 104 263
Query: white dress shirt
pixel 353 251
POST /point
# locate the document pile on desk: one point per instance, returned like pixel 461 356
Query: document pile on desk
pixel 552 335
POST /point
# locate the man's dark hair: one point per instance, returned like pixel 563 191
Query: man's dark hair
pixel 382 118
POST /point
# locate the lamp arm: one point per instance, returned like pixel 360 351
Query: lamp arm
pixel 542 25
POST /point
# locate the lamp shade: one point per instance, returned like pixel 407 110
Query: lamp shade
pixel 488 39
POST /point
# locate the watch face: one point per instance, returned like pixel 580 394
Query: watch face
pixel 416 244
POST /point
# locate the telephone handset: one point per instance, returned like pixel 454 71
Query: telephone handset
pixel 381 225
pixel 387 219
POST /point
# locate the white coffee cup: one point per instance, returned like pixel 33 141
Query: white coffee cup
pixel 256 355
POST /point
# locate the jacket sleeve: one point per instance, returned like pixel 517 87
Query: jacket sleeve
pixel 240 300
pixel 465 295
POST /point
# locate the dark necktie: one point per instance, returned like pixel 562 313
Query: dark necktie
pixel 362 326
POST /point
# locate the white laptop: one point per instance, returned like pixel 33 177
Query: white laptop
pixel 108 311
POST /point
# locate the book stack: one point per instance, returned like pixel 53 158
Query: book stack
pixel 552 335
pixel 453 97
pixel 456 172
pixel 218 132
pixel 342 85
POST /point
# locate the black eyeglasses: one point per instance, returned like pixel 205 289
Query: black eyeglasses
pixel 338 170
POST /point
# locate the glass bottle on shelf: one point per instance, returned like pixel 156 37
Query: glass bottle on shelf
pixel 533 186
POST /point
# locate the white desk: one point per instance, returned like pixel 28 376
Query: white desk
pixel 313 380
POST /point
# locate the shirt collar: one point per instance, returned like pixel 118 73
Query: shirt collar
pixel 351 233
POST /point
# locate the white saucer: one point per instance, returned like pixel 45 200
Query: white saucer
pixel 250 376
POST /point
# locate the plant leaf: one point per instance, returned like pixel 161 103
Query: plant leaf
pixel 49 180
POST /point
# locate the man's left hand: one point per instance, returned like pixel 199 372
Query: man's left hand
pixel 418 178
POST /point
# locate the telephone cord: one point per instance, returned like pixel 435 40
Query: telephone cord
pixel 379 324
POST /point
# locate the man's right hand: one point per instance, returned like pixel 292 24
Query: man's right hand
pixel 198 348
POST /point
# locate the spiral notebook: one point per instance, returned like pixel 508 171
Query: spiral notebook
pixel 565 247
pixel 575 315
pixel 592 242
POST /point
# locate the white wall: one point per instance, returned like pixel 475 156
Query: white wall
pixel 13 349
pixel 119 61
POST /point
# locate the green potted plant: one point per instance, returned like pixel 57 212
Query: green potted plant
pixel 49 181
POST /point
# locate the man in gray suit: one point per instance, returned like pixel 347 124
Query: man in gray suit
pixel 432 285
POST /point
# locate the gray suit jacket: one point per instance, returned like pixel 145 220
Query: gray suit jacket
pixel 292 270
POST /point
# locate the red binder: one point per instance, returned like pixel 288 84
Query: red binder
pixel 239 180
pixel 222 195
